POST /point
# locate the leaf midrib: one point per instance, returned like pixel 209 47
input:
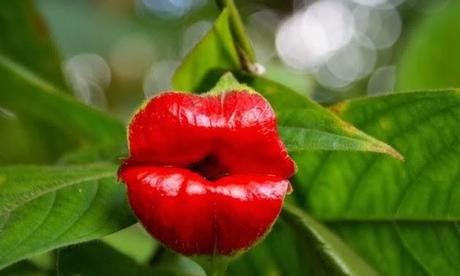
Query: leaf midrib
pixel 370 145
pixel 359 138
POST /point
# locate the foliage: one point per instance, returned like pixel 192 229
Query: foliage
pixel 432 46
pixel 376 188
pixel 48 207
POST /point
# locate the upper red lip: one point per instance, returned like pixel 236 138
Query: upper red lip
pixel 238 129
pixel 219 141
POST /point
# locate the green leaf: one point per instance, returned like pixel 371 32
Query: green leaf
pixel 25 139
pixel 280 253
pixel 402 217
pixel 431 57
pixel 299 245
pixel 239 32
pixel 308 130
pixel 167 258
pixel 26 40
pixel 37 98
pixel 332 250
pixel 306 126
pixel 134 242
pixel 42 208
pixel 97 258
pixel 280 96
pixel 95 153
pixel 214 265
pixel 22 268
pixel 214 55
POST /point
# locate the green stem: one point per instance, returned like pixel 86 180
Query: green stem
pixel 244 47
pixel 213 265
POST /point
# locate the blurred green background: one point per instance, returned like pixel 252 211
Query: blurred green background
pixel 116 53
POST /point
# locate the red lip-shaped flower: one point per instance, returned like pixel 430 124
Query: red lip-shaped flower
pixel 206 174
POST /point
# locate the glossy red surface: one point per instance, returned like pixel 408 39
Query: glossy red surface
pixel 195 216
pixel 237 128
pixel 206 174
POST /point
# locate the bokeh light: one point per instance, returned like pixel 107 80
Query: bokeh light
pixel 159 77
pixel 352 62
pixel 382 4
pixel 131 56
pixel 332 45
pixel 170 8
pixel 261 29
pixel 89 75
pixel 382 80
pixel 338 42
pixel 308 38
pixel 380 27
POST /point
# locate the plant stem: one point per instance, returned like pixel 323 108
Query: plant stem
pixel 243 45
pixel 213 265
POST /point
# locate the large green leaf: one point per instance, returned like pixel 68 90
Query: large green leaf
pixel 306 126
pixel 431 57
pixel 42 208
pixel 401 216
pixel 97 258
pixel 299 245
pixel 214 55
pixel 312 130
pixel 35 97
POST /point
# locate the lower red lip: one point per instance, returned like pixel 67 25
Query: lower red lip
pixel 195 216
